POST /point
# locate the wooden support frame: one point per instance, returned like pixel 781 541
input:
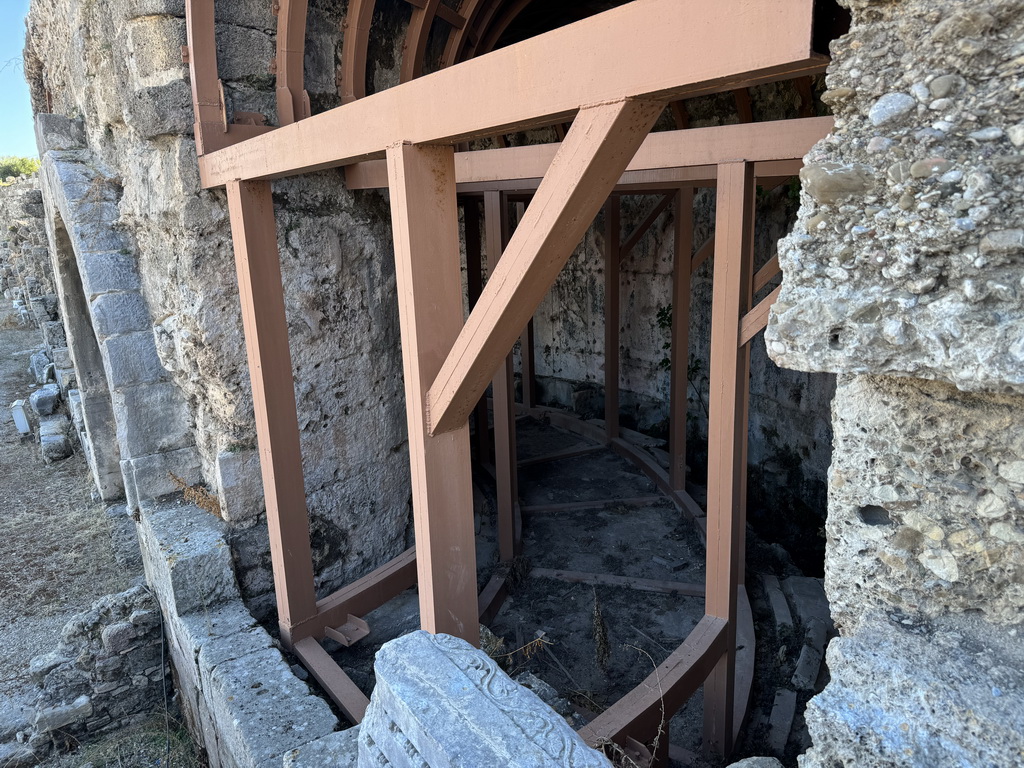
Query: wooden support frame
pixel 663 53
pixel 212 129
pixel 505 461
pixel 258 266
pixel 697 150
pixel 730 365
pixel 474 286
pixel 680 345
pixel 612 314
pixel 425 222
pixel 592 157
pixel 292 99
pixel 672 51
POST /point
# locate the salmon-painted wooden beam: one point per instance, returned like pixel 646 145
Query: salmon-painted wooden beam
pixel 424 216
pixel 663 50
pixel 292 99
pixel 589 162
pixel 696 147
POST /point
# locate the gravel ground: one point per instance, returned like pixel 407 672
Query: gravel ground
pixel 56 556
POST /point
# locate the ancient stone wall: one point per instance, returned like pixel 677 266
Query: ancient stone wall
pixel 128 86
pixel 905 275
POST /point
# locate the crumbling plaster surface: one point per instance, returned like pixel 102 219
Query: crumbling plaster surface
pixel 904 274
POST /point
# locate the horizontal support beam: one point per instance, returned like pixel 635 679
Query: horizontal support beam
pixel 696 148
pixel 567 453
pixel 651 49
pixel 370 592
pixel 756 319
pixel 639 713
pixel 332 678
pixel 604 579
pixel 581 506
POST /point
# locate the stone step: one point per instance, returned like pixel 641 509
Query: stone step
pixel 808 601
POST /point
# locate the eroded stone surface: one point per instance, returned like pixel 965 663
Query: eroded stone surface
pixel 908 257
pixel 923 520
pixel 921 695
pixel 439 702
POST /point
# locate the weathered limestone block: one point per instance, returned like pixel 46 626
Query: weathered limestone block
pixel 240 485
pixel 441 702
pixel 114 313
pixel 150 476
pixel 154 50
pixel 908 256
pixel 188 563
pixel 920 696
pixel 246 695
pixel 57 132
pixel 39 366
pixel 158 419
pixel 338 750
pixel 54 442
pixel 926 502
pixel 44 401
pixel 106 271
pixel 131 359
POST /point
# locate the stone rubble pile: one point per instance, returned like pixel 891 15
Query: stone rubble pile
pixel 109 670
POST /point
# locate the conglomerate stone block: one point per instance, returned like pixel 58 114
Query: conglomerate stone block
pixel 440 702
pixel 898 698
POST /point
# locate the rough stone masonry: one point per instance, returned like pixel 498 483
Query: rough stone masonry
pixel 905 275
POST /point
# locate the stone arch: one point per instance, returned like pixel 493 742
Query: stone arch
pixel 99 440
pixel 101 295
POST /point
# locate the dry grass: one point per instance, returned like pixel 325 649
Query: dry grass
pixel 10 321
pixel 158 741
pixel 56 549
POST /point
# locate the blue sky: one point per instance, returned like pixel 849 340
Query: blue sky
pixel 16 133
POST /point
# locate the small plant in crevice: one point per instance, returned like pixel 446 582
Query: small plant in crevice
pixel 695 366
pixel 198 495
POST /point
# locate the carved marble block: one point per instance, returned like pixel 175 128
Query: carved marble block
pixel 440 703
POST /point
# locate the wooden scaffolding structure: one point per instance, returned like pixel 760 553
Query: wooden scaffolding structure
pixel 617 72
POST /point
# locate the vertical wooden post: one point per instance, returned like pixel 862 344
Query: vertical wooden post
pixel 426 233
pixel 730 366
pixel 527 346
pixel 612 244
pixel 505 458
pixel 258 266
pixel 474 286
pixel 680 347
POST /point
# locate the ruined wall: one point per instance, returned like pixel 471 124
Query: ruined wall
pixel 117 67
pixel 905 275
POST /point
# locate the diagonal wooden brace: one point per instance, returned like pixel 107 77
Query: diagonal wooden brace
pixel 595 152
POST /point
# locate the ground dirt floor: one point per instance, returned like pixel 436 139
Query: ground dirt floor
pixel 56 559
pixel 582 640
